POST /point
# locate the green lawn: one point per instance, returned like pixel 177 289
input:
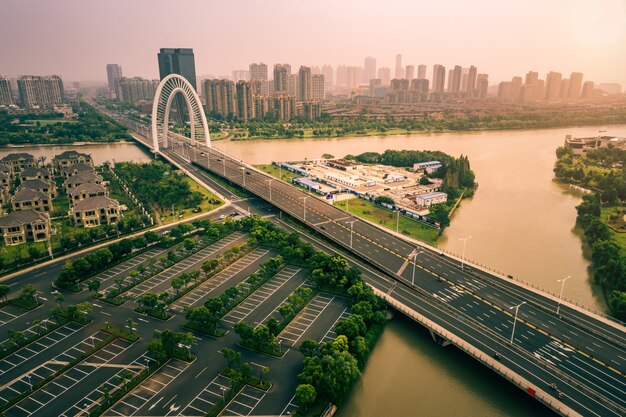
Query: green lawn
pixel 620 238
pixel 388 218
pixel 274 171
pixel 45 122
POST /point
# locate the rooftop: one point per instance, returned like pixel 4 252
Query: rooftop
pixel 35 184
pixel 18 218
pixel 83 177
pixel 88 187
pixel 64 156
pixel 17 156
pixel 94 203
pixel 28 194
pixel 33 171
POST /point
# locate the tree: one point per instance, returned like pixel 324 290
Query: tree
pixel 232 357
pixel 94 285
pixel 273 326
pixel 59 298
pixel 306 395
pixel 55 314
pixel 130 325
pixel 309 348
pixel 177 283
pixel 28 295
pixel 4 291
pixel 119 281
pixel 263 371
pixel 189 244
pixel 440 214
pixel 351 327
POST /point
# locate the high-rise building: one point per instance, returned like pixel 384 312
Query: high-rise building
pixel 439 78
pixel 37 90
pixel 6 99
pixel 258 72
pixel 421 72
pixel 284 107
pixel 399 69
pixel 245 103
pixel 305 85
pixel 342 76
pixel 281 78
pixel 352 78
pixel 553 85
pixel 136 89
pixel 369 69
pixel 240 75
pixel 178 61
pixel 318 92
pixel 409 72
pixel 575 84
pixel 471 79
pixel 384 73
pixel 482 85
pixel 564 91
pixel 220 97
pixel 531 77
pixel 293 86
pixel 540 90
pixel 315 70
pixel 456 79
pixel 588 88
pixel 419 90
pixel 329 79
pixel 504 90
pixel 114 73
pixel 516 88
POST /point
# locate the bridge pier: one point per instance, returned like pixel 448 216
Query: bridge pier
pixel 438 339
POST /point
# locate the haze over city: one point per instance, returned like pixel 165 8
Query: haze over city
pixel 76 39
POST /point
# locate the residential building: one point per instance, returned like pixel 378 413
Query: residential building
pixel 516 88
pixel 84 191
pixel 284 107
pixel 399 69
pixel 114 73
pixel 25 226
pixel 6 98
pixel 136 89
pixel 588 88
pixel 305 86
pixel 421 72
pixel 369 69
pixel 281 78
pixel 439 78
pixel 5 194
pixel 240 75
pixel 69 158
pixel 352 78
pixel 27 199
pixel 76 169
pixel 258 72
pixel 384 74
pixel 178 61
pixel 261 106
pixel 220 96
pixel 38 91
pixel 564 90
pixel 419 90
pixel 18 161
pixel 456 79
pixel 310 110
pixel 245 103
pixel 95 211
pixel 504 90
pixel 328 73
pixel 46 187
pixel 471 79
pixel 482 85
pixel 5 179
pixel 409 72
pixel 81 178
pixel 553 85
pixel 34 173
pixel 575 85
pixel 318 87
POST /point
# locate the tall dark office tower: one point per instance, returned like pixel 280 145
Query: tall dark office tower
pixel 178 61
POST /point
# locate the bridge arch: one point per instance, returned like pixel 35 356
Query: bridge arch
pixel 168 89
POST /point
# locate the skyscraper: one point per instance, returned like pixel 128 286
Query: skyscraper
pixel 409 72
pixel 5 92
pixel 114 73
pixel 588 87
pixel 133 90
pixel 439 78
pixel 471 79
pixel 421 72
pixel 553 85
pixel 40 90
pixel 304 84
pixel 575 84
pixel 516 88
pixel 245 103
pixel 564 91
pixel 384 73
pixel 258 73
pixel 369 69
pixel 531 77
pixel 220 97
pixel 482 84
pixel 317 87
pixel 178 61
pixel 352 79
pixel 327 72
pixel 456 79
pixel 399 69
pixel 281 78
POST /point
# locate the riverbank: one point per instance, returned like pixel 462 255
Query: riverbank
pixel 25 145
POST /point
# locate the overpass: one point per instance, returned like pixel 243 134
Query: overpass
pixel 580 353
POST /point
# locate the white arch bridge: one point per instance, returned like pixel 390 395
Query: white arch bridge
pixel 170 87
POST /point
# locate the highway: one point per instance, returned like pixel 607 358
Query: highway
pixel 583 354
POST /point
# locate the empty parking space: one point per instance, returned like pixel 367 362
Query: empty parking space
pixel 148 389
pixel 264 292
pixel 180 267
pixel 52 390
pixel 331 334
pixel 32 349
pixel 301 323
pixel 9 313
pixel 275 313
pixel 244 402
pixel 196 296
pixel 207 398
pixel 112 384
pixel 110 274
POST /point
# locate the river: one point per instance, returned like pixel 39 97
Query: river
pixel 100 152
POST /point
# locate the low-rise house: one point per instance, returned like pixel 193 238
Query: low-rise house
pixel 42 186
pixel 24 226
pixel 35 173
pixel 5 169
pixel 94 211
pixel 5 179
pixel 428 199
pixel 76 169
pixel 5 194
pixel 69 158
pixel 81 178
pixel 84 191
pixel 17 162
pixel 27 199
pixel 427 167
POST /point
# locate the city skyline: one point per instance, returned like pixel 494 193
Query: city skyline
pixel 506 41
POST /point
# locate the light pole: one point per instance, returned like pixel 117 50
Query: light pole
pixel 188 347
pixel 414 256
pixel 243 175
pixel 304 206
pixel 562 281
pixel 223 393
pixel 515 319
pixel 397 221
pixel 464 239
pixel 270 181
pixel 351 231
pixel 280 171
pixel 85 408
pixel 280 345
pixel 30 383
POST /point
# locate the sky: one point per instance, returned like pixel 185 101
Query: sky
pixel 503 38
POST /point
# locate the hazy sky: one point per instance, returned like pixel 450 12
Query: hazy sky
pixel 77 38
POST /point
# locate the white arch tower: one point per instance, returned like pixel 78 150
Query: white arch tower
pixel 169 87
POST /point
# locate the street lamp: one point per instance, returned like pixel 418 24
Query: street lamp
pixel 397 221
pixel 243 175
pixel 30 382
pixel 351 231
pixel 562 281
pixel 85 409
pixel 270 181
pixel 464 239
pixel 515 319
pixel 188 347
pixel 414 256
pixel 304 206
pixel 280 345
pixel 223 393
